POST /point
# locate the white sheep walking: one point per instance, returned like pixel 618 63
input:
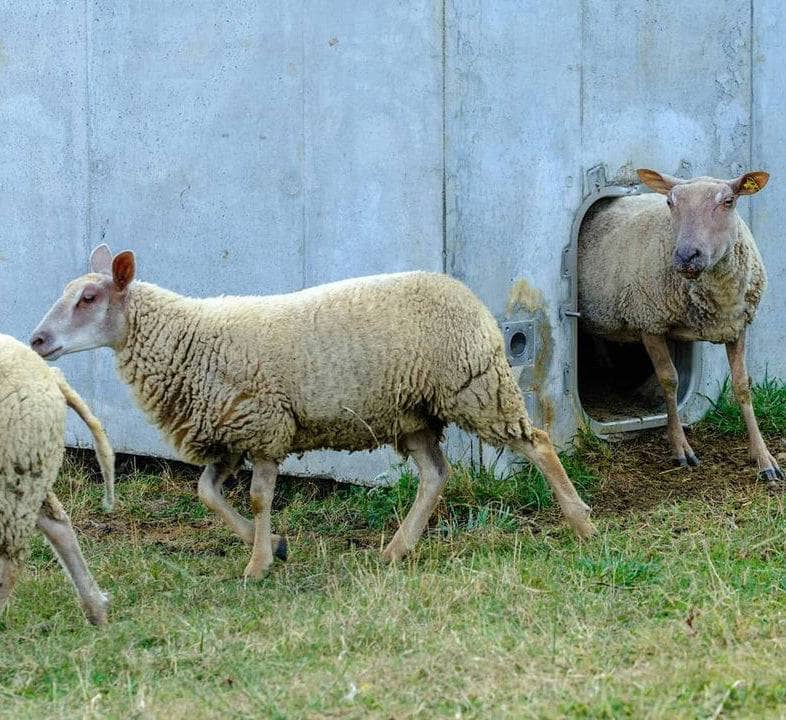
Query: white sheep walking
pixel 33 399
pixel 349 365
pixel 683 268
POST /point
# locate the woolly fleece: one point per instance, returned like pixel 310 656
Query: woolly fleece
pixel 627 285
pixel 32 423
pixel 349 365
pixel 33 398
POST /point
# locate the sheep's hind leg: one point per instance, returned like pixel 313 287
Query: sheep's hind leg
pixel 263 484
pixel 8 573
pixel 433 471
pixel 210 493
pixel 769 469
pixel 658 350
pixel 56 526
pixel 540 451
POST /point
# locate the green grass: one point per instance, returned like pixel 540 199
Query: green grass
pixel 769 405
pixel 499 613
pixel 475 498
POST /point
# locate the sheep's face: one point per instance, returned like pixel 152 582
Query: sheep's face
pixel 91 311
pixel 703 216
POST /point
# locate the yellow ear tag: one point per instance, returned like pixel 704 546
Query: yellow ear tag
pixel 750 185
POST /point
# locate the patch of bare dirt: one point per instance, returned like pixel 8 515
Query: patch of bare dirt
pixel 638 473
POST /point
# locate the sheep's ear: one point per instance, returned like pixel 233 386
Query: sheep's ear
pixel 123 267
pixel 657 181
pixel 749 183
pixel 101 260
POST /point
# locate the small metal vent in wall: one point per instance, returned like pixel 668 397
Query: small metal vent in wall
pixel 520 342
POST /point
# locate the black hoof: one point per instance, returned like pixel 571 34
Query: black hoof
pixel 770 475
pixel 693 461
pixel 281 550
pixel 681 462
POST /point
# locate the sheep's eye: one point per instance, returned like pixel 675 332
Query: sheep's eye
pixel 87 298
pixel 728 202
pixel 669 201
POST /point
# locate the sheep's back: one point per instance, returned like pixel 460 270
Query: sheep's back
pixel 624 253
pixel 346 365
pixel 365 361
pixel 32 423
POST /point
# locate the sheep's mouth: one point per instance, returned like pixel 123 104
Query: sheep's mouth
pixel 52 354
pixel 689 273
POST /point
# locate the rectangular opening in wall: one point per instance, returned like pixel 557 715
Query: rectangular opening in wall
pixel 613 383
pixel 616 381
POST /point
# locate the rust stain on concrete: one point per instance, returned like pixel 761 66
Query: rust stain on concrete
pixel 523 296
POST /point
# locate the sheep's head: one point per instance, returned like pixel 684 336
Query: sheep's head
pixel 91 311
pixel 703 215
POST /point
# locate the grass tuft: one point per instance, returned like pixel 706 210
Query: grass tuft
pixel 616 570
pixel 475 498
pixel 769 405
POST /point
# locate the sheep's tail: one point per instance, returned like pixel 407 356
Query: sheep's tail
pixel 104 452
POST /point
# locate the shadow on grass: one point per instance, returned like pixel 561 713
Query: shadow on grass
pixel 158 492
pixel 617 478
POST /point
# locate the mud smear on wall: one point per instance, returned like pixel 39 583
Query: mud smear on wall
pixel 524 297
pixel 526 301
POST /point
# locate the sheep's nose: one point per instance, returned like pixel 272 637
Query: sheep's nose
pixel 685 257
pixel 39 340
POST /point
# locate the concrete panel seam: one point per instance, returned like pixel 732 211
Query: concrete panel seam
pixel 304 193
pixel 752 118
pixel 444 140
pixel 88 132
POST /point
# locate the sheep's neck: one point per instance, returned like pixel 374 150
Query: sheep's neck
pixel 727 281
pixel 156 355
pixel 717 303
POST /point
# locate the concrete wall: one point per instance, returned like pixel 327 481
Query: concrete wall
pixel 263 147
pixel 768 151
pixel 533 103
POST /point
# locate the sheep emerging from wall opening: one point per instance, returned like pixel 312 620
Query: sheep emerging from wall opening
pixel 684 268
pixel 33 399
pixel 389 359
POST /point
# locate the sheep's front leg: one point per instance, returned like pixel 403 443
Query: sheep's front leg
pixel 769 469
pixel 658 350
pixel 56 526
pixel 263 484
pixel 211 484
pixel 8 573
pixel 433 472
